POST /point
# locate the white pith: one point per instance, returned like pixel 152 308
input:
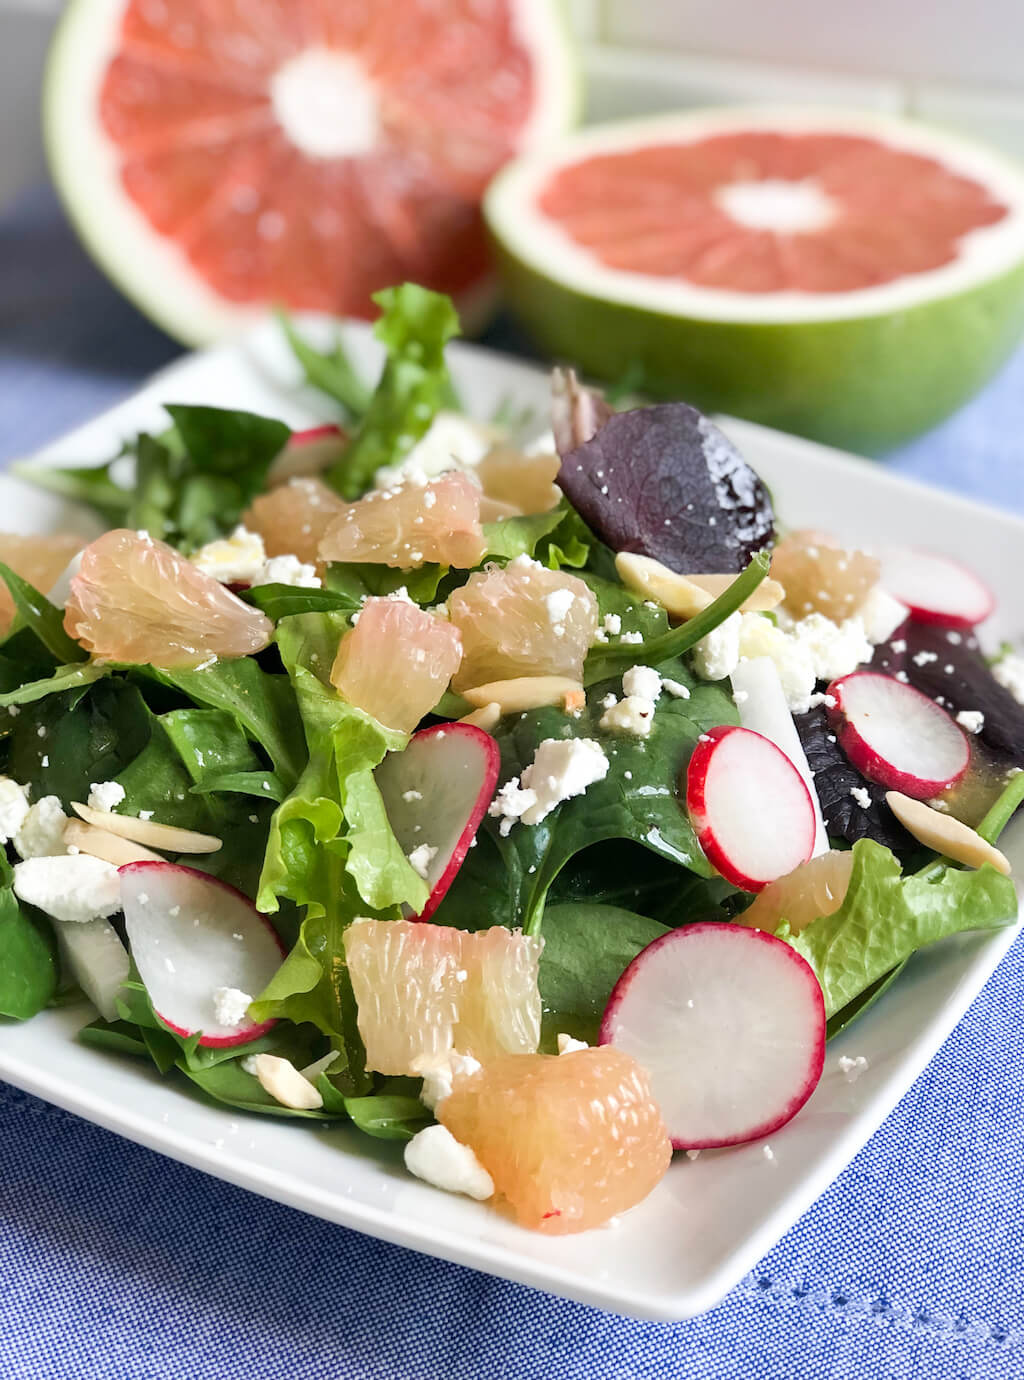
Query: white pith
pixel 788 207
pixel 511 208
pixel 326 104
pixel 153 270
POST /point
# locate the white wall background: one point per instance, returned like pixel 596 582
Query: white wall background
pixel 957 62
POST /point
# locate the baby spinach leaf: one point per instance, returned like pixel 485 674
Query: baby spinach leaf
pixel 355 581
pixel 119 1036
pixel 885 917
pixel 387 1117
pixel 283 601
pixel 330 371
pixel 28 968
pixel 414 327
pixel 35 611
pixel 73 677
pixel 262 784
pixel 23 660
pixel 210 743
pixel 520 536
pixel 586 949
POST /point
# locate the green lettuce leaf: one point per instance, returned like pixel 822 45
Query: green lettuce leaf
pixel 414 327
pixel 885 917
pixel 35 611
pixel 73 677
pixel 330 371
pixel 28 967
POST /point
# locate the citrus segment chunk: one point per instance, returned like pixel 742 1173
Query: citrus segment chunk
pixel 524 620
pixel 813 889
pixel 396 662
pixel 137 600
pixel 820 577
pixel 569 1140
pixel 293 518
pixel 423 990
pixel 409 524
pixel 39 560
pixel 525 482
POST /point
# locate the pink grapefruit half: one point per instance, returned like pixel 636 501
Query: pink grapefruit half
pixel 851 277
pixel 216 155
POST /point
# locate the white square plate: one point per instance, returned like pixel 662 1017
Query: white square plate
pixel 709 1221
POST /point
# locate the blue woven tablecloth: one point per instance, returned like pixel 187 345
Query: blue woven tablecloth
pixel 117 1263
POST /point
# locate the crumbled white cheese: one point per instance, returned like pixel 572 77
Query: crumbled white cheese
pixel 567 1045
pixel 634 714
pixel 862 796
pixel 609 701
pixel 73 887
pixel 971 720
pixel 287 570
pixel 435 1156
pixel 558 603
pixel 561 768
pixel 923 658
pixel 230 1005
pixel 805 651
pixel 717 655
pixel 235 560
pixel 410 796
pixel 612 624
pixel 851 1069
pixel 1009 672
pixel 104 795
pixel 439 1075
pixel 767 1152
pixel 42 830
pixel 676 689
pixel 693 1154
pixel 13 807
pixel 881 615
pixel 633 638
pixel 817 700
pixel 835 649
pixel 643 681
pixel 758 636
pixel 452 442
pixel 420 859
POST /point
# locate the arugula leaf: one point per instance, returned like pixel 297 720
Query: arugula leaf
pixel 91 485
pixel 47 622
pixel 283 601
pixel 355 581
pixel 586 949
pixel 329 371
pixel 637 800
pixel 414 326
pixel 885 917
pixel 73 677
pixel 28 968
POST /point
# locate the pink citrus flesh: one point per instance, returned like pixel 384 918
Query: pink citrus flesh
pixel 815 888
pixel 822 579
pixel 409 524
pixel 39 560
pixel 293 518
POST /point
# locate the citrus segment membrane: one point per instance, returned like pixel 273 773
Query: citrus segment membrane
pixel 570 1140
pixel 411 523
pixel 39 560
pixel 813 889
pixel 293 518
pixel 137 600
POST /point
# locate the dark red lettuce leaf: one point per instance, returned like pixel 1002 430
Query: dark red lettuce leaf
pixel 835 778
pixel 664 482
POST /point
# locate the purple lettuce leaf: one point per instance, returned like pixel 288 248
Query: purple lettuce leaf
pixel 664 482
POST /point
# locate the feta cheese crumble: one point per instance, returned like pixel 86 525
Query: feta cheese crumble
pixel 287 570
pixel 438 1075
pixel 567 1045
pixel 633 715
pixel 1009 672
pixel 851 1069
pixel 452 442
pixel 716 656
pixel 676 689
pixel 862 796
pixel 436 1157
pixel 73 887
pixel 420 859
pixel 561 768
pixel 42 830
pixel 230 1005
pixel 971 720
pixel 235 560
pixel 558 603
pixel 104 795
pixel 13 807
pixel 612 624
pixel 643 681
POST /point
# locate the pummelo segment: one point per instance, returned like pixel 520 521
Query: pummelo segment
pixel 851 277
pixel 217 157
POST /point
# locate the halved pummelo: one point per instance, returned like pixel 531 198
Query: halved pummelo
pixel 217 156
pixel 851 277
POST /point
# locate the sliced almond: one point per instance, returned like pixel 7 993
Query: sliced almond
pixel 486 717
pixel 167 837
pixel 101 843
pixel 684 596
pixel 525 692
pixel 948 836
pixel 283 1081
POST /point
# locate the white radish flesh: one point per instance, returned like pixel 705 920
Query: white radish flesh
pixel 436 793
pixel 730 1025
pixel 761 704
pixel 191 934
pixel 96 959
pixel 935 588
pixel 896 736
pixel 148 832
pixel 749 806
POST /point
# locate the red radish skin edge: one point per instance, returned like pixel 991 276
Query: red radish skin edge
pixel 250 1033
pixel 492 760
pixel 937 616
pixel 870 763
pixel 816 1062
pixel 696 778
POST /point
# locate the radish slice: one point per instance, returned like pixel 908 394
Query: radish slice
pixel 896 736
pixel 934 588
pixel 750 807
pixel 191 934
pixel 436 793
pixel 307 453
pixel 761 703
pixel 730 1025
pixel 97 960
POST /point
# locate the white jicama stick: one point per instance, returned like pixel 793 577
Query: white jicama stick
pixel 762 706
pixel 97 959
